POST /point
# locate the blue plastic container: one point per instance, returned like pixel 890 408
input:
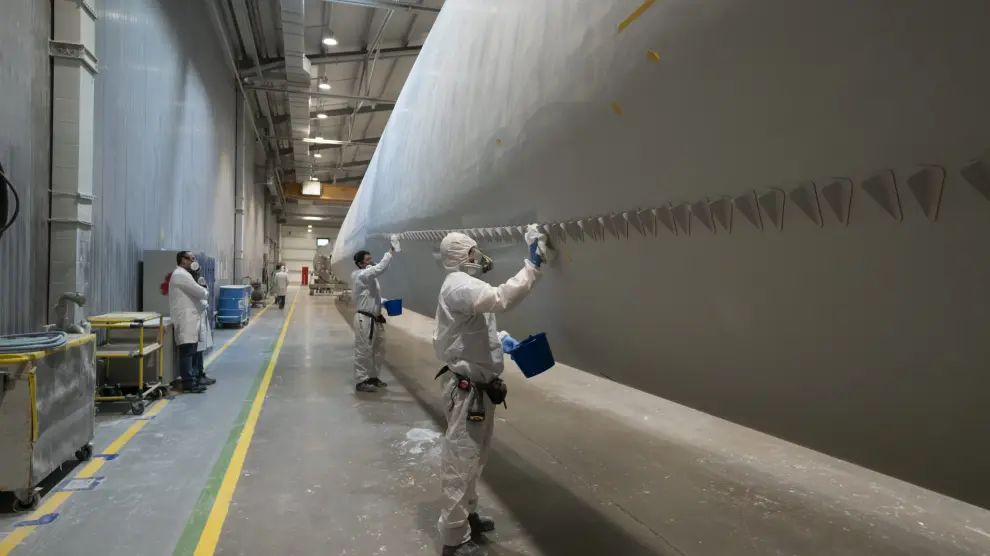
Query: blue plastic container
pixel 234 304
pixel 393 307
pixel 533 355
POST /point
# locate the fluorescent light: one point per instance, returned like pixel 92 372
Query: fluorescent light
pixel 312 218
pixel 330 40
pixel 324 85
pixel 317 155
pixel 323 141
pixel 321 116
pixel 312 188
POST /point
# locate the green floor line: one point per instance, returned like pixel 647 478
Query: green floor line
pixel 201 511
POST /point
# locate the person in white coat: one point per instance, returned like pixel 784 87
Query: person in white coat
pixel 205 342
pixel 186 301
pixel 369 324
pixel 280 286
pixel 467 341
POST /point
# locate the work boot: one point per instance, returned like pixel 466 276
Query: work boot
pixel 205 380
pixel 480 524
pixel 469 548
pixel 366 386
pixel 193 389
pixel 378 382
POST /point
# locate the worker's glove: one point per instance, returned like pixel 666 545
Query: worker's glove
pixel 395 243
pixel 509 344
pixel 201 281
pixel 497 391
pixel 204 304
pixel 537 245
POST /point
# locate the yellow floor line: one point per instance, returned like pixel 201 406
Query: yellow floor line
pixel 55 501
pixel 218 513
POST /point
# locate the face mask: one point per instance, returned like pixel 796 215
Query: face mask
pixel 478 268
pixel 194 266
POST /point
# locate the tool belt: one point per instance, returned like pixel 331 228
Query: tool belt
pixel 495 390
pixel 374 318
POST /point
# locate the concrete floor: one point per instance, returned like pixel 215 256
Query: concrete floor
pixel 580 466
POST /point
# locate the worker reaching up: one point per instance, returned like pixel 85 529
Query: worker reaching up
pixel 369 324
pixel 467 340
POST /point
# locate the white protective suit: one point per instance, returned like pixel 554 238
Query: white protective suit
pixel 185 298
pixel 280 283
pixel 466 340
pixel 369 335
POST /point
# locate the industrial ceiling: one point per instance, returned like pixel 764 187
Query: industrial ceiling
pixel 321 78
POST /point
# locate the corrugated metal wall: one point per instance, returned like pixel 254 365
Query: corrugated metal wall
pixel 165 142
pixel 24 139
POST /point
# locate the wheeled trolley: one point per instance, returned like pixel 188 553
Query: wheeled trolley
pixel 46 414
pixel 146 352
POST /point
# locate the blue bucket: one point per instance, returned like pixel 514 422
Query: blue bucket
pixel 393 307
pixel 533 355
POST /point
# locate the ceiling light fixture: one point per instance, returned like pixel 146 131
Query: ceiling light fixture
pixel 324 84
pixel 317 155
pixel 321 116
pixel 330 40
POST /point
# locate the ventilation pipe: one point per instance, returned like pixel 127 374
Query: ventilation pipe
pixel 297 73
pixel 74 68
pixel 240 179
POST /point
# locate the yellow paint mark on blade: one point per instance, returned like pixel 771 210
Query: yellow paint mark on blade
pixel 635 15
pixel 218 513
pixel 616 108
pixel 653 55
pixel 498 140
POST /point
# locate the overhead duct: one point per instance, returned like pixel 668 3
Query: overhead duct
pixel 297 73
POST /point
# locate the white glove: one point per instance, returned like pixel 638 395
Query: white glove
pixel 535 236
pixel 201 281
pixel 395 243
pixel 204 304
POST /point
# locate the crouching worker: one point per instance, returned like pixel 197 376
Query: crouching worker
pixel 467 340
pixel 369 324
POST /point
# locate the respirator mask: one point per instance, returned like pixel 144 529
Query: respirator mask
pixel 478 264
pixel 194 266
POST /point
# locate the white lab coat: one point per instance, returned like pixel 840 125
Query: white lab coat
pixel 280 283
pixel 205 330
pixel 466 340
pixel 185 298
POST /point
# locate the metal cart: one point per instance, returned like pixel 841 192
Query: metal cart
pixel 136 393
pixel 46 414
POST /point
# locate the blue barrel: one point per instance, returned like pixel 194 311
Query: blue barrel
pixel 393 307
pixel 533 355
pixel 234 304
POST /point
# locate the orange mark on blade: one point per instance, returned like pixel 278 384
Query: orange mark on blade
pixel 616 108
pixel 635 15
